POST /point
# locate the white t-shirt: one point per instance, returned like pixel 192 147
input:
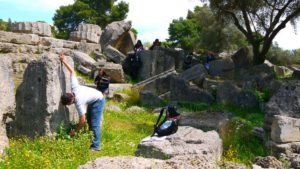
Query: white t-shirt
pixel 83 95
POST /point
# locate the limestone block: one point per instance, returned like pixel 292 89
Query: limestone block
pixel 285 129
pixel 39 28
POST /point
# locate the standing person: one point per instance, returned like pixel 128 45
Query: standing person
pixel 84 96
pixel 135 60
pixel 102 81
pixel 154 44
pixel 210 56
pixel 138 46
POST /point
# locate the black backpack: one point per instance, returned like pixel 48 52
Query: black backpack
pixel 103 84
pixel 170 123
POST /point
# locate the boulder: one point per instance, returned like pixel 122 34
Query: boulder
pixel 114 33
pixel 268 162
pixel 204 120
pixel 282 71
pixel 285 102
pixel 158 84
pixel 38 108
pixel 159 60
pixel 115 72
pixel 7 99
pixel 211 84
pixel 150 99
pixel 86 32
pixel 186 143
pixel 247 99
pixel 125 43
pixel 227 93
pixel 243 58
pixel 83 60
pixel 296 74
pixel 261 75
pixel 112 54
pixel 182 91
pixel 196 72
pixel 285 129
pixel 39 28
pixel 221 67
pixel 121 162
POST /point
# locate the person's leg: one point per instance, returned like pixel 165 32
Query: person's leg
pixel 96 119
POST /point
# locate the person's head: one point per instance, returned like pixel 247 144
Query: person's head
pixel 101 72
pixel 139 42
pixel 67 99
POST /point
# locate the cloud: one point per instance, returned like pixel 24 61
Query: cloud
pixel 152 18
pixel 289 38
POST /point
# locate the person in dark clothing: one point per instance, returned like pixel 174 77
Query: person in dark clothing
pixel 210 56
pixel 138 46
pixel 135 59
pixel 154 44
pixel 102 81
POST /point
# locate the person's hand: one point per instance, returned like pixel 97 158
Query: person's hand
pixel 61 56
pixel 72 132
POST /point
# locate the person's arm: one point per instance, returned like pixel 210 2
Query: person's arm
pixel 70 69
pixel 79 126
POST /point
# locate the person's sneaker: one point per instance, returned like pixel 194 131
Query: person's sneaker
pixel 95 149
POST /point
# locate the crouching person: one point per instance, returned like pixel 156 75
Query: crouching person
pixel 82 97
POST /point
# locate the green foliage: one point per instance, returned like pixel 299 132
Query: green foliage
pixel 201 31
pixel 260 21
pixel 101 12
pixel 135 32
pixel 133 96
pixel 183 33
pixel 239 145
pixel 4 26
pixel 282 57
pixel 263 96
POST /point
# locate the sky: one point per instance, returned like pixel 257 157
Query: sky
pixel 151 18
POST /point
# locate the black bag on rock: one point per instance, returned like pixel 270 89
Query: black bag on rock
pixel 170 123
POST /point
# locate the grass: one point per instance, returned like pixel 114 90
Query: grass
pixel 239 144
pixel 121 133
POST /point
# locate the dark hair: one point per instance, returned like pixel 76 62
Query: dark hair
pixel 66 99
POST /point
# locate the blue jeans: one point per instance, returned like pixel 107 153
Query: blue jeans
pixel 94 118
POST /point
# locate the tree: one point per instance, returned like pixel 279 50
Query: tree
pixel 3 25
pixel 183 33
pixel 201 31
pixel 260 20
pixel 100 12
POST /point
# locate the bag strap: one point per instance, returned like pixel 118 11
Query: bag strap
pixel 159 117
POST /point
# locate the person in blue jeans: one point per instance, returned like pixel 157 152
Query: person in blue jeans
pixel 83 97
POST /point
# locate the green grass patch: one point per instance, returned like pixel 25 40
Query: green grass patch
pixel 239 144
pixel 86 78
pixel 121 133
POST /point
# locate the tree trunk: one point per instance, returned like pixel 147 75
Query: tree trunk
pixel 258 58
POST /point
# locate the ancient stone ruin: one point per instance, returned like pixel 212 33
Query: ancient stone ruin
pixel 32 81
